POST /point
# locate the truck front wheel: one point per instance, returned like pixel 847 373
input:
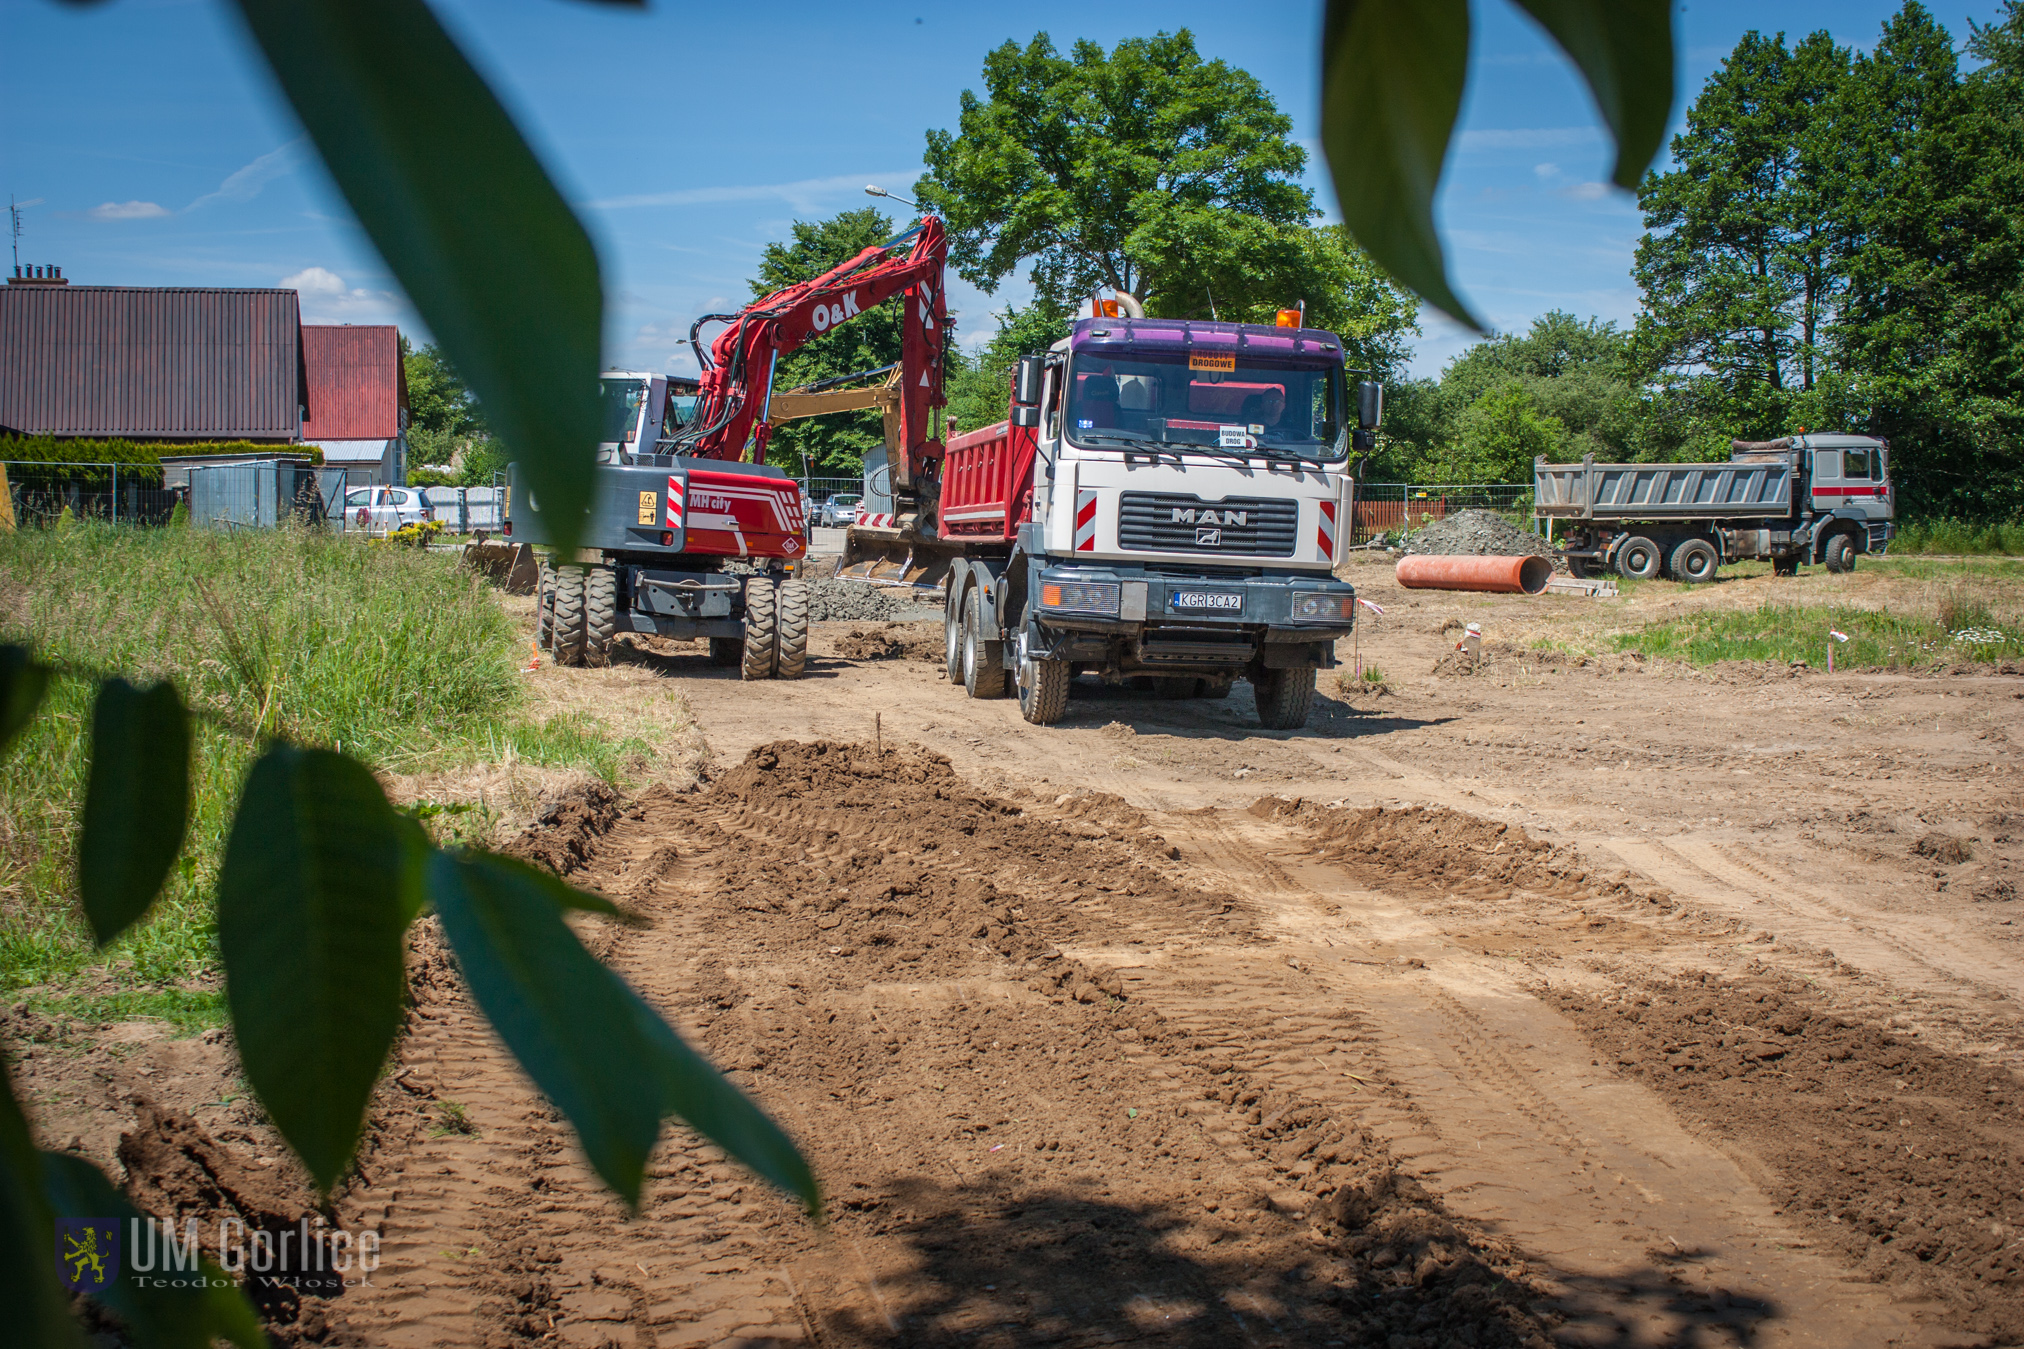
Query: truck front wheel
pixel 1284 697
pixel 1043 687
pixel 1840 554
pixel 1695 561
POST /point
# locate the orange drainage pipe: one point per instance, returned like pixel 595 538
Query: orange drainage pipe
pixel 1497 575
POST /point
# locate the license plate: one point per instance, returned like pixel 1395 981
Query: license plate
pixel 1207 601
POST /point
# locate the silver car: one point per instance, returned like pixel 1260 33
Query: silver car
pixel 385 509
pixel 842 509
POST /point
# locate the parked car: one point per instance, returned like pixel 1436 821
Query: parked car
pixel 842 509
pixel 383 509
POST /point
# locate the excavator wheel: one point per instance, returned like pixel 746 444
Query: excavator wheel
pixel 600 615
pixel 544 607
pixel 791 629
pixel 761 643
pixel 566 628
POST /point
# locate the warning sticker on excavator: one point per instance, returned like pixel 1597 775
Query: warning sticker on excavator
pixel 649 507
pixel 1212 360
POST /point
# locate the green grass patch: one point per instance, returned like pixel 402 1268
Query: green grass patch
pixel 1959 631
pixel 394 655
pixel 1959 536
pixel 188 1011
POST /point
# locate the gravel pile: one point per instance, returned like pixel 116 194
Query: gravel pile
pixel 830 600
pixel 1476 533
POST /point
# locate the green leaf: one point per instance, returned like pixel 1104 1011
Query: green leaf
pixel 313 901
pixel 1624 49
pixel 605 1058
pixel 37 1310
pixel 482 242
pixel 559 891
pixel 22 684
pixel 136 803
pixel 1391 85
pixel 158 1317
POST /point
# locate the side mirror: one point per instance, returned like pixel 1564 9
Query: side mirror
pixel 1027 417
pixel 1369 404
pixel 1026 380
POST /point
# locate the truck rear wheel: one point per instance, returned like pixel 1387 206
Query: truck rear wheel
pixel 1043 687
pixel 760 653
pixel 1577 567
pixel 983 661
pixel 1840 554
pixel 791 620
pixel 1695 561
pixel 952 634
pixel 600 614
pixel 1638 558
pixel 1285 697
pixel 566 628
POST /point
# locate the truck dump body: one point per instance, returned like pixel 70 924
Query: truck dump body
pixel 1757 489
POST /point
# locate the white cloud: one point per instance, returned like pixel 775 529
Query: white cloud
pixel 244 184
pixel 326 299
pixel 805 194
pixel 127 210
pixel 1586 191
pixel 1528 138
pixel 1546 170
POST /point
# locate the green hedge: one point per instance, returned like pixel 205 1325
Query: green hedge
pixel 140 453
pixel 1959 536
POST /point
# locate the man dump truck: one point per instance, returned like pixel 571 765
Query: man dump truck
pixel 1165 502
pixel 1804 498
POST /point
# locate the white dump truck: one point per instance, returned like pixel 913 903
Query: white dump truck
pixel 1804 498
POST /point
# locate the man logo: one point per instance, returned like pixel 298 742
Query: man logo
pixel 1208 538
pixel 87 1253
pixel 1188 515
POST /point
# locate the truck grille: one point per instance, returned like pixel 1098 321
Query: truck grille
pixel 1170 522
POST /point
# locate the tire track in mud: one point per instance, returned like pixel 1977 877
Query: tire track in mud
pixel 1019 1147
pixel 1493 1098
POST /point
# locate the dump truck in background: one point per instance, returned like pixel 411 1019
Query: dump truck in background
pixel 1799 499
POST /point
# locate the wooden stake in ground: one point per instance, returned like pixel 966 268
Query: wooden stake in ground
pixel 6 503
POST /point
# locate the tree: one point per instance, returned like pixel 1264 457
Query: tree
pixel 444 420
pixel 1738 263
pixel 980 393
pixel 1499 435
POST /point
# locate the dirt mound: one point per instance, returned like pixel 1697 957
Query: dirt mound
pixel 893 641
pixel 562 835
pixel 1477 533
pixel 1945 849
pixel 1904 1159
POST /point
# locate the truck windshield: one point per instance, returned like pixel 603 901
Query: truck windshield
pixel 621 399
pixel 1207 400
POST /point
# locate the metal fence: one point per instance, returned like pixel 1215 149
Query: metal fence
pixel 118 493
pixel 261 496
pixel 1397 508
pixel 462 510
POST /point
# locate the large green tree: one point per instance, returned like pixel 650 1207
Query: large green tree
pixel 445 423
pixel 1150 170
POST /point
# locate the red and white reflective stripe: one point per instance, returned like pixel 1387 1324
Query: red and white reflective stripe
pixel 674 511
pixel 1324 537
pixel 876 521
pixel 1085 521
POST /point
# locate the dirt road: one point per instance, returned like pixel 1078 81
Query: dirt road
pixel 1553 1003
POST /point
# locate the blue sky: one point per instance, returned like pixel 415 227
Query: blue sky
pixel 155 152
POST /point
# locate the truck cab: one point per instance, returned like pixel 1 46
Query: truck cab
pixel 1175 496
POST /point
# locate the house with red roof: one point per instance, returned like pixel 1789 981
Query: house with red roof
pixel 356 408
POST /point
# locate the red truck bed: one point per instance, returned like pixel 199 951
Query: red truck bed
pixel 987 482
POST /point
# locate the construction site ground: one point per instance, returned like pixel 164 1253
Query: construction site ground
pixel 1558 998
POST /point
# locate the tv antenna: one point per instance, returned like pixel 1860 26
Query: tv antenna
pixel 14 227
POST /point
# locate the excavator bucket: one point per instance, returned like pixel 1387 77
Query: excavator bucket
pixel 895 556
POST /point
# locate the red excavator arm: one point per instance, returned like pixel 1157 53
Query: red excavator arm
pixel 737 382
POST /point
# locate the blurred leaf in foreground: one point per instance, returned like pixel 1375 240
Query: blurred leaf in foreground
pixel 136 802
